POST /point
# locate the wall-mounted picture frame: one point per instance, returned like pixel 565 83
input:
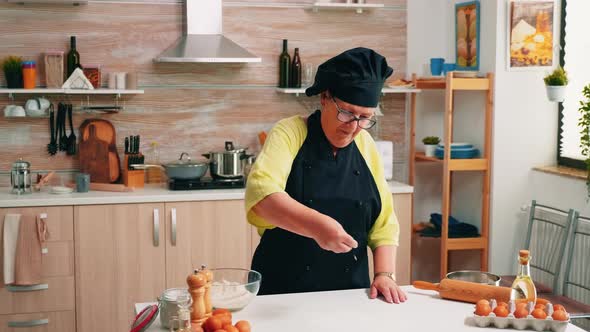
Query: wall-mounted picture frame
pixel 467 35
pixel 531 35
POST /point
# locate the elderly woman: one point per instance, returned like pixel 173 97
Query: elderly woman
pixel 317 192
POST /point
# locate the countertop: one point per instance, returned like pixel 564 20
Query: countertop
pixel 149 194
pixel 353 311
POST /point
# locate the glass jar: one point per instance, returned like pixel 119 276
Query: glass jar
pixel 29 74
pixel 171 302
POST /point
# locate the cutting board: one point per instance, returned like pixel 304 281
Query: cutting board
pixel 98 151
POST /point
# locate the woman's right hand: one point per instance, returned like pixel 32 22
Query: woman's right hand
pixel 331 236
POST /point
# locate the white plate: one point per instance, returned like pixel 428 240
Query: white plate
pixel 465 73
pixel 61 190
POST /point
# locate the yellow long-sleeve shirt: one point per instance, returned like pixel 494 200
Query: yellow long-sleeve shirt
pixel 273 165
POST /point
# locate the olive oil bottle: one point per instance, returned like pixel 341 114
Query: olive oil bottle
pixel 523 287
pixel 284 67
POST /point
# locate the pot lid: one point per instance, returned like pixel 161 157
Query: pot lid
pixel 186 162
pixel 21 164
pixel 145 318
pixel 230 148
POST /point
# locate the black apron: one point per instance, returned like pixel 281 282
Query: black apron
pixel 341 187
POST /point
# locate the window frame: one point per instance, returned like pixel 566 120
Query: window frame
pixel 564 161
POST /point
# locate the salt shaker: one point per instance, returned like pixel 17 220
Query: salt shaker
pixel 196 287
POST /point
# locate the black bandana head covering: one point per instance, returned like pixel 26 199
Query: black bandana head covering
pixel 355 76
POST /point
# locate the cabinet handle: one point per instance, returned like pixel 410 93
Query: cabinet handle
pixel 173 226
pixel 32 288
pixel 156 227
pixel 29 323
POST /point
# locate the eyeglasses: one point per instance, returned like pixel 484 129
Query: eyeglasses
pixel 347 117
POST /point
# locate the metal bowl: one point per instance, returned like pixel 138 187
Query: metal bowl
pixel 475 276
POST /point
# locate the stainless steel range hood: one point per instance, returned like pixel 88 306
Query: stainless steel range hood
pixel 203 41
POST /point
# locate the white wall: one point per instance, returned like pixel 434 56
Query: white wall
pixel 524 135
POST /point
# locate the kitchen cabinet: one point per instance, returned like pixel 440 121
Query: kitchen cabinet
pixel 120 260
pixel 214 233
pixel 56 293
pixel 402 206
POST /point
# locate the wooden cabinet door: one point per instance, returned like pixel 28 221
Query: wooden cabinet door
pixel 120 261
pixel 214 233
pixel 56 291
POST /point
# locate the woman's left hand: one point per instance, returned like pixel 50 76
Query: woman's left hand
pixel 388 288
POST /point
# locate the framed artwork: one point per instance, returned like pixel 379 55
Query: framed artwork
pixel 467 35
pixel 531 34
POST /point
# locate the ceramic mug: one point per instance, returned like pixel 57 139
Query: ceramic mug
pixel 436 66
pixel 14 111
pixel 82 182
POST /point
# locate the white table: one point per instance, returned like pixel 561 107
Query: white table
pixel 353 311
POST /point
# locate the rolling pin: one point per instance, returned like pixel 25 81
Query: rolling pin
pixel 465 291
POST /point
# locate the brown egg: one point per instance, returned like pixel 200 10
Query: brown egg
pixel 502 304
pixel 539 313
pixel 220 330
pixel 230 328
pixel 560 315
pixel 558 307
pixel 540 306
pixel 483 310
pixel 501 311
pixel 212 324
pixel 521 312
pixel 482 303
pixel 243 326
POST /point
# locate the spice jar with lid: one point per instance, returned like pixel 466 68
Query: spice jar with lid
pixel 29 74
pixel 172 302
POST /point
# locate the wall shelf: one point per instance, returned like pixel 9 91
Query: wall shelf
pixel 358 7
pixel 42 91
pixel 50 2
pixel 297 91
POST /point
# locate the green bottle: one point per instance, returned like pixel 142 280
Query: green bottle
pixel 284 67
pixel 73 57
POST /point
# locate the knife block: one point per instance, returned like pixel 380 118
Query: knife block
pixel 133 178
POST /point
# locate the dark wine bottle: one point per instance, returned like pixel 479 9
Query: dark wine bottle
pixel 284 66
pixel 296 70
pixel 73 58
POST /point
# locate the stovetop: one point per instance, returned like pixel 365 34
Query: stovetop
pixel 206 183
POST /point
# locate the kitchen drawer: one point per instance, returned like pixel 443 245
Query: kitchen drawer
pixel 58 321
pixel 58 295
pixel 60 220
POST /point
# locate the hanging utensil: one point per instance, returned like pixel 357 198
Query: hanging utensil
pixel 52 146
pixel 72 139
pixel 64 137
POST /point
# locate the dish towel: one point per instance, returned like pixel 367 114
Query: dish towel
pixel 457 229
pixel 11 227
pixel 27 266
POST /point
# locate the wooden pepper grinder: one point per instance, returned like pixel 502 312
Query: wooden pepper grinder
pixel 196 287
pixel 209 276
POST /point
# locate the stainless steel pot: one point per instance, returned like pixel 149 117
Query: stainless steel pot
pixel 182 169
pixel 475 276
pixel 228 164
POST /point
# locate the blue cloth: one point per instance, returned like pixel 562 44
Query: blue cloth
pixel 457 229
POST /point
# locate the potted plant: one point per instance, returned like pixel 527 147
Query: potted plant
pixel 430 143
pixel 13 72
pixel 555 84
pixel 584 124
